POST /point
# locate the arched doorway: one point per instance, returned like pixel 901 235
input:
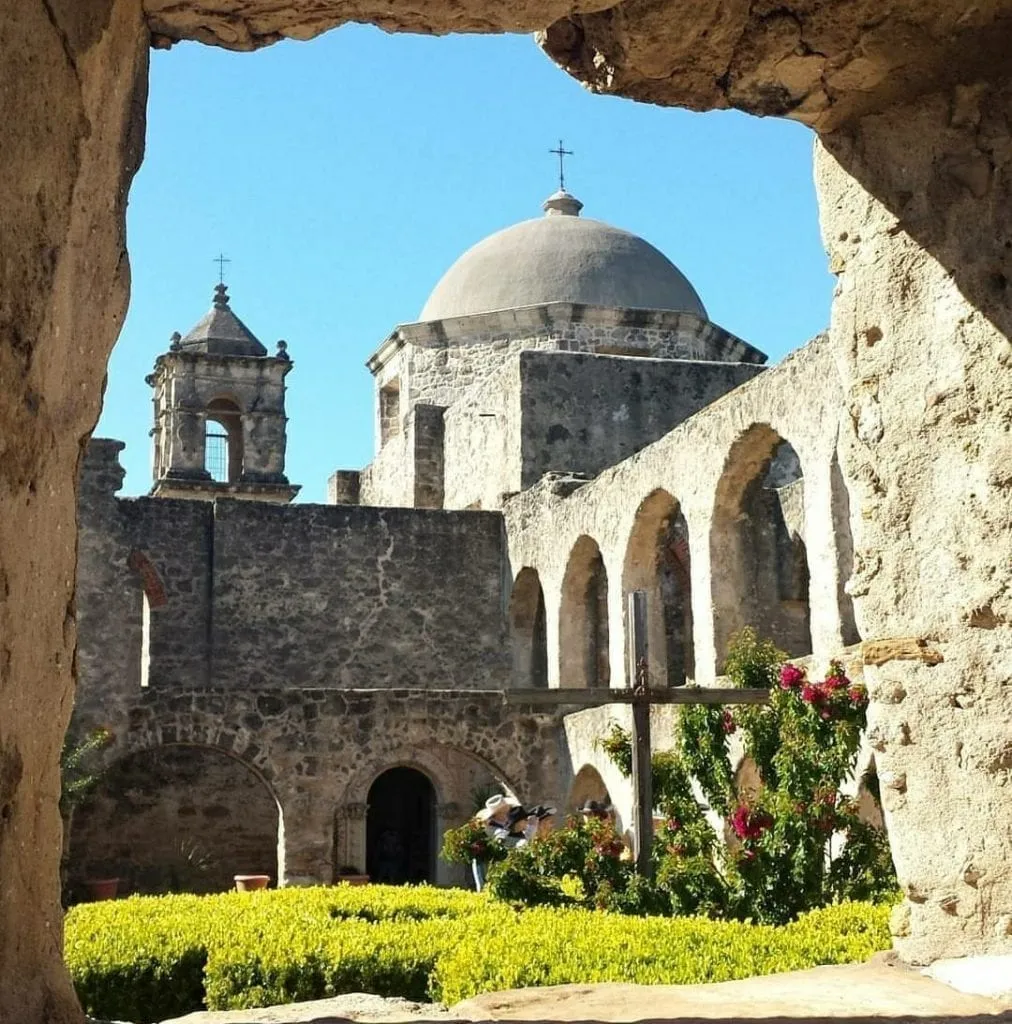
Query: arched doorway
pixel 401 828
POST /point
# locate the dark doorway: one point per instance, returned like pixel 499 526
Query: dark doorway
pixel 400 828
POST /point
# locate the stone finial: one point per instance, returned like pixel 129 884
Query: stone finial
pixel 562 204
pixel 283 351
pixel 221 296
pixel 174 341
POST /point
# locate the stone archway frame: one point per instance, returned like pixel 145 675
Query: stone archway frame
pixel 528 625
pixel 641 570
pixel 734 569
pixel 352 806
pixel 584 644
pixel 911 176
pixel 135 745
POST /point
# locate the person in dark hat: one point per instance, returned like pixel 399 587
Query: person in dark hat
pixel 597 809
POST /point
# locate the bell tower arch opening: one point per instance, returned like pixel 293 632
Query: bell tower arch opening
pixel 223 447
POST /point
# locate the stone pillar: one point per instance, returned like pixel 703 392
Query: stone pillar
pixel 426 430
pixel 916 209
pixel 73 78
pixel 344 487
pixel 450 815
pixel 350 837
pixel 307 834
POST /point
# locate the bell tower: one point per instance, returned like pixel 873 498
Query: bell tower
pixel 219 406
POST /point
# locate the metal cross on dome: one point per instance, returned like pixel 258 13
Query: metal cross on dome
pixel 561 153
pixel 221 259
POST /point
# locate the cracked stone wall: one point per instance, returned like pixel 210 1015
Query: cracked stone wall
pixel 236 594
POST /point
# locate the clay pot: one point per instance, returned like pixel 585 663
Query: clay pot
pixel 102 888
pixel 250 883
pixel 353 879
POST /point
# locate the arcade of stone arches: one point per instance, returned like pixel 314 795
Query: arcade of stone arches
pixel 388 821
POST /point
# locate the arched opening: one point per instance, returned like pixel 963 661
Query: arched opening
pixel 528 636
pixel 401 828
pixel 840 499
pixel 177 818
pixel 223 449
pixel 583 619
pixel 869 797
pixel 657 561
pixel 587 785
pixel 759 562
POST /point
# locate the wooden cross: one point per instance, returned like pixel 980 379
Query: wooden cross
pixel 641 697
pixel 561 153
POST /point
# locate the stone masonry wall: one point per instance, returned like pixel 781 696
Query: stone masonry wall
pixel 317 751
pixel 482 442
pixel 244 594
pixel 175 818
pixel 357 597
pixel 584 413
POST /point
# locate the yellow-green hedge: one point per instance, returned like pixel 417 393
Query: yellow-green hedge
pixel 149 958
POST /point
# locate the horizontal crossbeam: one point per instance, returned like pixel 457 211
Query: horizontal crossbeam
pixel 673 695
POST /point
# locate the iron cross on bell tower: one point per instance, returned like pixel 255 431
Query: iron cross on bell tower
pixel 561 153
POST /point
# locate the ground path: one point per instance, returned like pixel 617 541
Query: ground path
pixel 873 991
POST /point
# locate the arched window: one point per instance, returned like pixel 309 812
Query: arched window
pixel 527 630
pixel 583 619
pixel 223 455
pixel 758 557
pixel 657 561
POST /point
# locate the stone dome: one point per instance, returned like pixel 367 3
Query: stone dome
pixel 561 257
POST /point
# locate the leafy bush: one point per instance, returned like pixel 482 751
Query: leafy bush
pixel 146 958
pixel 804 744
pixel 780 858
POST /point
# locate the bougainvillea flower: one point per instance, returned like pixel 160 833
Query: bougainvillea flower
pixel 791 677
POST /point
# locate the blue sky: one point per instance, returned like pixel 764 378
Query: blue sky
pixel 343 176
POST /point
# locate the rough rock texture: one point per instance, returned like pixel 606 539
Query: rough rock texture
pixel 318 752
pixel 820 62
pixel 249 24
pixel 73 81
pixel 920 329
pixel 859 992
pixel 916 208
pixel 823 62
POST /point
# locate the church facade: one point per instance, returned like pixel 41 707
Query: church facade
pixel 309 690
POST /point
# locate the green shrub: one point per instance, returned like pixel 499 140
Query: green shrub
pixel 782 860
pixel 146 958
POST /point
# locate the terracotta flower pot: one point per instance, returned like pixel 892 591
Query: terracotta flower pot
pixel 250 883
pixel 102 888
pixel 353 879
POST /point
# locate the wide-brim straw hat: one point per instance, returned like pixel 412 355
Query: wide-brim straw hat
pixel 493 803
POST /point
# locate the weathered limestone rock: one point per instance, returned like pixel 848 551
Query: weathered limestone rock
pixel 821 62
pixel 72 77
pixel 916 208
